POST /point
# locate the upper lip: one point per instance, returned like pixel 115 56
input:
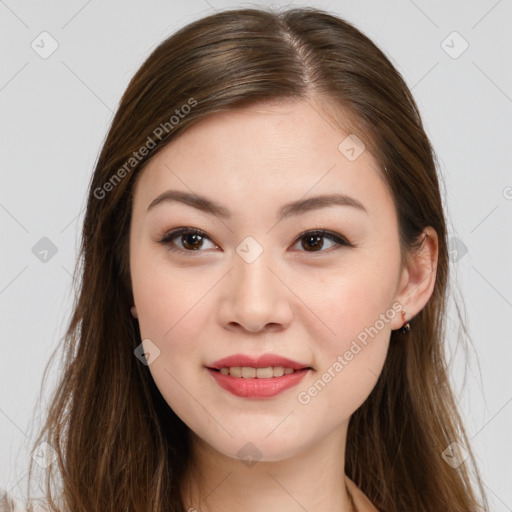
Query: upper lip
pixel 262 361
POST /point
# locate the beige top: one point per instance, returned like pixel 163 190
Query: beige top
pixel 363 504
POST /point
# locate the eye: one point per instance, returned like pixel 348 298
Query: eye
pixel 191 239
pixel 312 241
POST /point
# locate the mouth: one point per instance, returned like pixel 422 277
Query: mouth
pixel 265 376
pixel 257 383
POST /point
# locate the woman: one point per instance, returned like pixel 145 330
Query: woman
pixel 260 320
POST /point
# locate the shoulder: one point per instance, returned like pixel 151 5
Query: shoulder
pixel 7 503
pixel 11 504
pixel 361 500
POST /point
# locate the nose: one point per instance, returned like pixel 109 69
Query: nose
pixel 255 297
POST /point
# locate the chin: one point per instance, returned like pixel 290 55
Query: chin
pixel 251 450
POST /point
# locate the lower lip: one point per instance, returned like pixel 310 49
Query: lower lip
pixel 257 388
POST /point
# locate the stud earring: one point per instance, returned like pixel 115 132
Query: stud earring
pixel 407 326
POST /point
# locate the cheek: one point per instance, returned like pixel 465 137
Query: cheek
pixel 357 308
pixel 348 362
pixel 351 300
pixel 174 306
pixel 172 314
pixel 167 297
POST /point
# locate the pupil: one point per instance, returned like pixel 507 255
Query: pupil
pixel 317 241
pixel 191 245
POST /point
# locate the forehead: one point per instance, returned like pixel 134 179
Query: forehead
pixel 265 154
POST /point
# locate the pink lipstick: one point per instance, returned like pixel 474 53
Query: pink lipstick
pixel 257 377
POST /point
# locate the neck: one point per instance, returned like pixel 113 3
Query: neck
pixel 313 479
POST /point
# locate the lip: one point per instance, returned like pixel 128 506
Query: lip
pixel 262 361
pixel 258 388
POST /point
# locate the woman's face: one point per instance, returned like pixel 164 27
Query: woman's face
pixel 261 280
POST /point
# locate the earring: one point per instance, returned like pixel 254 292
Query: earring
pixel 407 326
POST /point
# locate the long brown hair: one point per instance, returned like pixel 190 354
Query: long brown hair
pixel 119 446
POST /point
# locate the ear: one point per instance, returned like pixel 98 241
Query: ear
pixel 418 278
pixel 134 312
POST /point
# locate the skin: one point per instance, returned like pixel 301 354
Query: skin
pixel 305 302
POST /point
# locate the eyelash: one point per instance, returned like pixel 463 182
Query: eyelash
pixel 174 233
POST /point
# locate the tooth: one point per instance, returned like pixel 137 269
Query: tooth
pixel 235 371
pixel 248 373
pixel 265 373
pixel 258 373
pixel 278 371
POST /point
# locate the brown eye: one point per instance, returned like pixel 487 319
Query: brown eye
pixel 192 241
pixel 313 241
pixel 186 239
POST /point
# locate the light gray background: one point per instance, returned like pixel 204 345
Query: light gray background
pixel 54 114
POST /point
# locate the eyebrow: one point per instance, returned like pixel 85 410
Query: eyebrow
pixel 290 209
